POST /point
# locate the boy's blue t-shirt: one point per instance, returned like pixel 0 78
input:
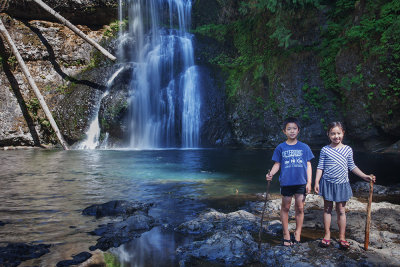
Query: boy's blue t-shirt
pixel 293 160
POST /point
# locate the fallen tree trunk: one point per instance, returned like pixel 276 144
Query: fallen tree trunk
pixel 32 83
pixel 75 29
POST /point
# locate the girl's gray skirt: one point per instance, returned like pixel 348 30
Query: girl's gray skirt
pixel 335 192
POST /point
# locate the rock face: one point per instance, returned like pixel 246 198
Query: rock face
pixel 88 12
pixel 57 59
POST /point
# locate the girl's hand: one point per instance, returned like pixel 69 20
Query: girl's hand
pixel 316 188
pixel 370 177
pixel 269 176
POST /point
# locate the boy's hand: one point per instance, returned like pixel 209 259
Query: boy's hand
pixel 316 188
pixel 308 188
pixel 269 176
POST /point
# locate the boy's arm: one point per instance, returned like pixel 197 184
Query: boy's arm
pixel 273 171
pixel 309 177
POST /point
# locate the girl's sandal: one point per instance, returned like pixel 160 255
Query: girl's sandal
pixel 286 241
pixel 325 243
pixel 343 244
pixel 294 241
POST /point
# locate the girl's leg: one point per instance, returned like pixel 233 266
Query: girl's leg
pixel 341 219
pixel 328 206
pixel 286 201
pixel 299 208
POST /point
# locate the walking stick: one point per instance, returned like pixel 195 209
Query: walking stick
pixel 262 214
pixel 368 222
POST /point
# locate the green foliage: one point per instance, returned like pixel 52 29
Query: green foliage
pixel 377 35
pixel 114 27
pixel 33 106
pixel 111 260
pixel 314 96
pixel 212 30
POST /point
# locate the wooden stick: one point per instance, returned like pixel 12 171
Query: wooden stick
pixel 75 29
pixel 32 83
pixel 368 222
pixel 262 214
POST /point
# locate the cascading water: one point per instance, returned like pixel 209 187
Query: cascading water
pixel 92 140
pixel 165 99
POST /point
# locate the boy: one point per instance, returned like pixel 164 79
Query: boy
pixel 293 157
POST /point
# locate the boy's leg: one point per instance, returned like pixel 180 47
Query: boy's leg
pixel 286 201
pixel 341 219
pixel 299 208
pixel 328 206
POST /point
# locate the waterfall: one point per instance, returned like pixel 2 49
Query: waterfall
pixel 93 133
pixel 165 100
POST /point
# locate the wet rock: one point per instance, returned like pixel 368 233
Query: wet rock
pixel 309 254
pixel 15 253
pixel 230 247
pixel 115 208
pixel 118 233
pixel 364 187
pixel 214 220
pixel 81 257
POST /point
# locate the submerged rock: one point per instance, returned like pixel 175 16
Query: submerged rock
pixel 14 253
pixel 115 208
pixel 81 257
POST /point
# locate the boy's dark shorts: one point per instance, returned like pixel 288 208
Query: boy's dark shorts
pixel 289 191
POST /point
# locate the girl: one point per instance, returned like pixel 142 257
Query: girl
pixel 334 161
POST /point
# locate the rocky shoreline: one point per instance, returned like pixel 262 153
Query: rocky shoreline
pixel 231 238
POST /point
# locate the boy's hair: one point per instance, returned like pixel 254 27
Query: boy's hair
pixel 335 124
pixel 291 120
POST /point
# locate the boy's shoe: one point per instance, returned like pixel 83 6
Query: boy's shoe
pixel 343 244
pixel 286 241
pixel 325 243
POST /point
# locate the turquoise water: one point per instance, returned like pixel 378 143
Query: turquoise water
pixel 44 191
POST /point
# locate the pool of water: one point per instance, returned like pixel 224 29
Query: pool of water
pixel 44 191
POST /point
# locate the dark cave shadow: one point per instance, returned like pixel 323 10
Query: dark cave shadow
pixel 17 92
pixel 52 59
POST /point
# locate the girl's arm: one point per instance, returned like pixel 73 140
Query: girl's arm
pixel 309 177
pixel 273 171
pixel 364 176
pixel 318 176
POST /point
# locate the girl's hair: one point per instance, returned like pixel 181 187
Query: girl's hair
pixel 335 124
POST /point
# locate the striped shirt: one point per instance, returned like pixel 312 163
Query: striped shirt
pixel 335 162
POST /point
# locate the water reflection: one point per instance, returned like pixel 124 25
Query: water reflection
pixel 154 248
